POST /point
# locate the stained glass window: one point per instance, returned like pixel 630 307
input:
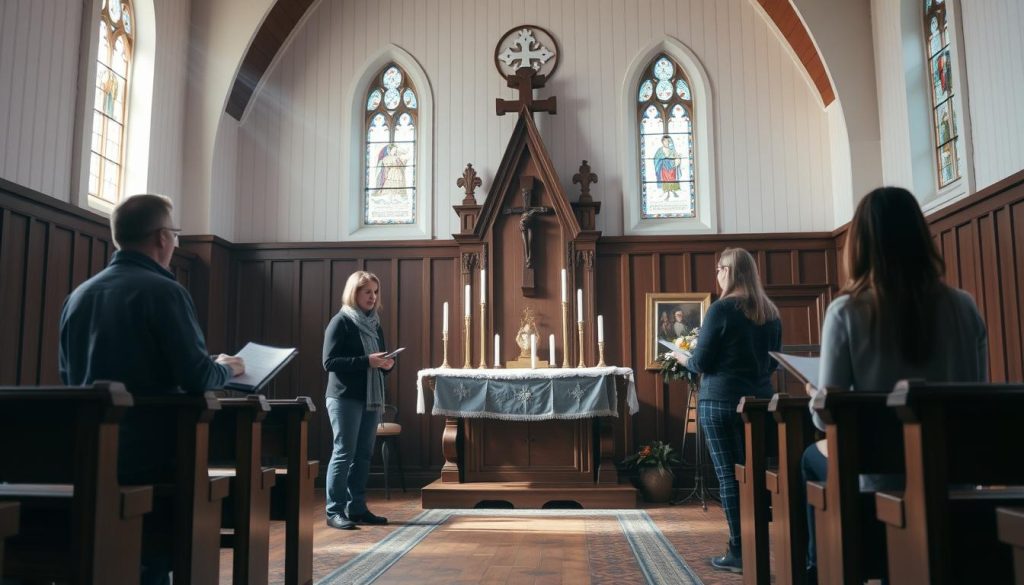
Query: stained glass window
pixel 665 123
pixel 940 68
pixel 390 166
pixel 110 110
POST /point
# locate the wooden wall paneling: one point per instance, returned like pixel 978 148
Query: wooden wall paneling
pixel 648 423
pixel 412 320
pixel 992 310
pixel 80 258
pixel 309 378
pixel 59 264
pixel 1016 234
pixel 612 302
pixel 1006 276
pixel 813 266
pixel 778 267
pixel 444 273
pixel 32 309
pixel 13 254
pixel 282 306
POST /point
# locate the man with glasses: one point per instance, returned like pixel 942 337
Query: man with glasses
pixel 133 323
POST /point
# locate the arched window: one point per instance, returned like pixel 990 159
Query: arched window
pixel 110 111
pixel 664 110
pixel 390 163
pixel 940 67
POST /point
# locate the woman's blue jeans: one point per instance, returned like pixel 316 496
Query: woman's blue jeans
pixel 355 431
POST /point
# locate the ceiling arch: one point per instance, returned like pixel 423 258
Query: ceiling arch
pixel 793 29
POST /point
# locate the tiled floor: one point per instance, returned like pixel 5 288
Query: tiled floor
pixel 694 533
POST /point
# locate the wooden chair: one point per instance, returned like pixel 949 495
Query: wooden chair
pixel 789 516
pixel 760 443
pixel 389 432
pixel 286 448
pixel 1011 531
pixel 864 439
pixel 187 505
pixel 59 462
pixel 236 439
pixel 8 526
pixel 960 440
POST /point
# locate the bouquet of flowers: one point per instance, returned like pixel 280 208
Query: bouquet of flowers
pixel 670 367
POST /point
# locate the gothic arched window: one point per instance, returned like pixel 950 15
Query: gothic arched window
pixel 110 109
pixel 940 68
pixel 664 114
pixel 390 164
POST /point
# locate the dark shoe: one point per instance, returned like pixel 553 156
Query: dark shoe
pixel 728 562
pixel 368 517
pixel 341 523
pixel 812 575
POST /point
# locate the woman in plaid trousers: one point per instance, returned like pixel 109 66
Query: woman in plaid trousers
pixel 739 330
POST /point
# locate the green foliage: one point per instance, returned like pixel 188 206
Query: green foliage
pixel 654 454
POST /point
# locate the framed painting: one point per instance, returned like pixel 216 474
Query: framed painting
pixel 670 316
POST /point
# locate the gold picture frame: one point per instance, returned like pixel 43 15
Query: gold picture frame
pixel 661 319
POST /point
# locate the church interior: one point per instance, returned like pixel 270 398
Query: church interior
pixel 543 192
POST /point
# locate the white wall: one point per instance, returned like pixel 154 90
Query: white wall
pixel 168 120
pixel 38 79
pixel 773 159
pixel 994 49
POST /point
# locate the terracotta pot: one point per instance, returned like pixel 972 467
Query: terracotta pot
pixel 657 484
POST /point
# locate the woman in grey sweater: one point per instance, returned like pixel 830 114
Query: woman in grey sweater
pixel 894 319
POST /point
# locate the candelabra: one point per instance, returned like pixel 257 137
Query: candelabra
pixel 444 343
pixel 579 326
pixel 467 343
pixel 483 335
pixel 565 335
pixel 600 354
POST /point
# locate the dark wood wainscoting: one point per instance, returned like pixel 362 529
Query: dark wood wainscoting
pixel 47 248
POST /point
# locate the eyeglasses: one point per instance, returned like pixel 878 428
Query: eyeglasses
pixel 720 268
pixel 174 231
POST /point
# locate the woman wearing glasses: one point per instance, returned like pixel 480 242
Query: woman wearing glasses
pixel 739 330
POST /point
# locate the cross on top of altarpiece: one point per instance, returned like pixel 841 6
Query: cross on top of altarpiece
pixel 525 81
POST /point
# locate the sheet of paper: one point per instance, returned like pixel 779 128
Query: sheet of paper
pixel 261 362
pixel 673 347
pixel 806 369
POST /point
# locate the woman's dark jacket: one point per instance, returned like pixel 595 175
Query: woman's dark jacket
pixel 345 360
pixel 732 353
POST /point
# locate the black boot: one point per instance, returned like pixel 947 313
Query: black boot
pixel 730 561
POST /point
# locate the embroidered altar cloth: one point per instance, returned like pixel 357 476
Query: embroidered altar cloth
pixel 525 394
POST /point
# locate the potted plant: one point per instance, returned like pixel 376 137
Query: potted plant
pixel 653 463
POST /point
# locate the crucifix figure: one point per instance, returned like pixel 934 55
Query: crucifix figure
pixel 527 213
pixel 525 81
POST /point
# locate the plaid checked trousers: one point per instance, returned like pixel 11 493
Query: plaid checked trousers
pixel 723 433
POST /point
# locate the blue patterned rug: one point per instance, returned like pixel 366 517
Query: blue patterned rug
pixel 657 558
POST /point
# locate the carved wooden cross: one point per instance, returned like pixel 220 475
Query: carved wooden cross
pixel 527 213
pixel 525 81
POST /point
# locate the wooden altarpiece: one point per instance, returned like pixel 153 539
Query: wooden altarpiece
pixel 525 233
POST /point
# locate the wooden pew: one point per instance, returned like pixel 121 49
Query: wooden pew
pixel 58 459
pixel 187 506
pixel 942 527
pixel 863 437
pixel 759 441
pixel 1011 531
pixel 789 515
pixel 286 447
pixel 8 526
pixel 236 438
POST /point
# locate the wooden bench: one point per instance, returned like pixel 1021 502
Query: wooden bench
pixel 8 526
pixel 236 447
pixel 1010 522
pixel 286 447
pixel 785 484
pixel 760 443
pixel 864 437
pixel 58 460
pixel 187 506
pixel 962 450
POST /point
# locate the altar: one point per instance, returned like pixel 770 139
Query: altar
pixel 528 436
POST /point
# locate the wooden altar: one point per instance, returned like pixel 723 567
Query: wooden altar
pixel 523 236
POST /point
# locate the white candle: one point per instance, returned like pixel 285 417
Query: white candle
pixel 600 328
pixel 579 305
pixel 533 350
pixel 551 349
pixel 564 287
pixel 444 320
pixel 468 298
pixel 483 285
pixel 497 350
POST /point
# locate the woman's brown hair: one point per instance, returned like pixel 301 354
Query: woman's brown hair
pixel 744 284
pixel 894 266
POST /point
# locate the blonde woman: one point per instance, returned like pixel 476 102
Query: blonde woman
pixel 739 330
pixel 353 356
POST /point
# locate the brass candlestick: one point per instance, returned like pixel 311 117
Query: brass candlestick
pixel 600 354
pixel 580 327
pixel 565 335
pixel 465 336
pixel 444 343
pixel 483 335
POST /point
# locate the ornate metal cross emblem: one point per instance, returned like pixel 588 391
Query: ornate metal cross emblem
pixel 526 50
pixel 577 393
pixel 461 391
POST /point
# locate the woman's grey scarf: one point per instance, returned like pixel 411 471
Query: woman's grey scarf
pixel 368 326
